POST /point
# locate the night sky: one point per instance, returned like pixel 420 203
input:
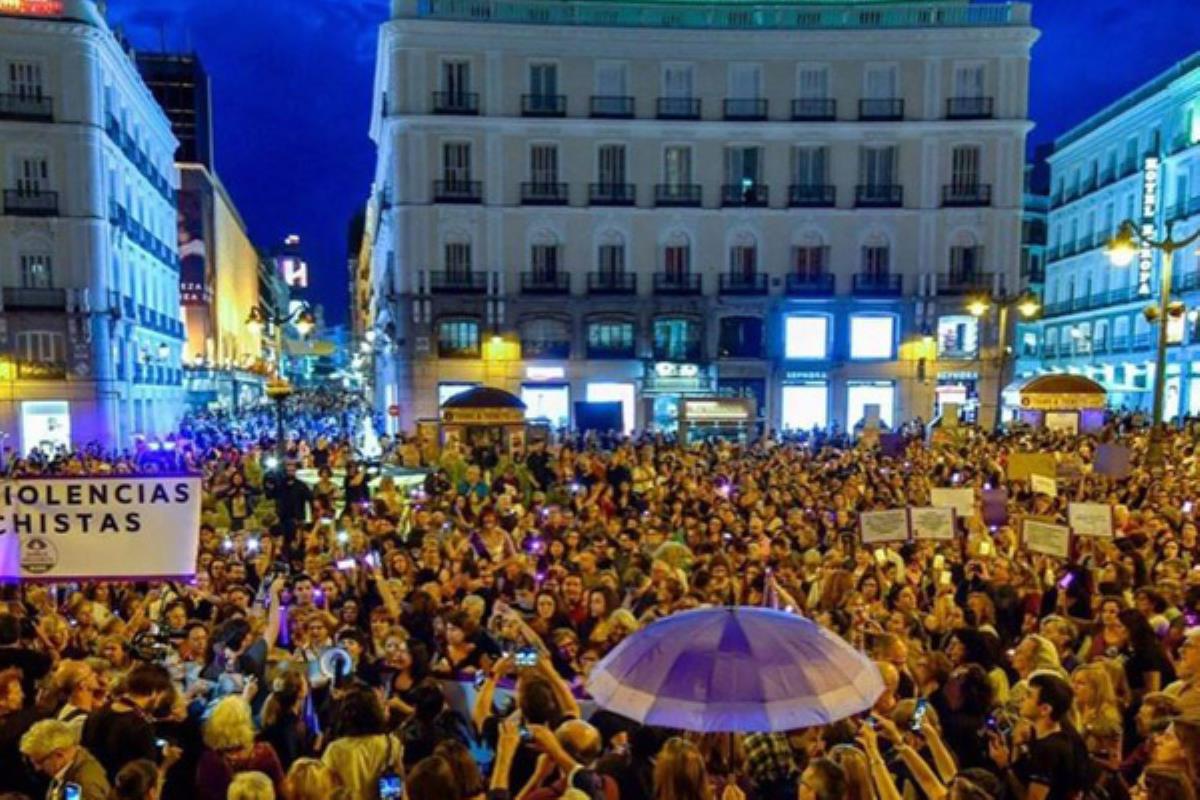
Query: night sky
pixel 292 90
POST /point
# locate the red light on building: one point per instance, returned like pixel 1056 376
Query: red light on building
pixel 32 8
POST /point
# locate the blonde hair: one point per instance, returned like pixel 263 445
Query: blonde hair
pixel 46 737
pixel 1097 678
pixel 854 766
pixel 230 725
pixel 679 773
pixel 309 779
pixel 251 786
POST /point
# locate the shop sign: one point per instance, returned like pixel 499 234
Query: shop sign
pixel 716 410
pixel 1151 171
pixel 545 373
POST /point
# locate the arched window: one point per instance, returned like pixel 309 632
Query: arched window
pixel 876 255
pixel 456 254
pixel 610 253
pixel 677 339
pixel 743 256
pixel 677 256
pixel 544 256
pixel 810 256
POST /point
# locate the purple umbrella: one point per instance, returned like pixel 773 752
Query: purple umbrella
pixel 735 669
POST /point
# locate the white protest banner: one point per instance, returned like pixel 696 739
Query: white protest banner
pixel 1091 519
pixel 961 499
pixel 64 529
pixel 932 523
pixel 1047 539
pixel 1043 485
pixel 884 526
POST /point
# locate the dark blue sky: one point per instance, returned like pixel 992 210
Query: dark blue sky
pixel 292 89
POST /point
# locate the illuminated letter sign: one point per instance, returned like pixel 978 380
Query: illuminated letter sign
pixel 32 8
pixel 1150 176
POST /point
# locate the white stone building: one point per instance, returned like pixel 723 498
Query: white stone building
pixel 655 201
pixel 90 327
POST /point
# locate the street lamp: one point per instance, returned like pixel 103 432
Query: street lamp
pixel 1028 306
pixel 1121 250
pixel 278 389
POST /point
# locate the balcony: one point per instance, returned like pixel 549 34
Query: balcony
pixel 740 283
pixel 545 349
pixel 1120 344
pixel 884 195
pixel 962 196
pixel 1142 341
pixel 457 350
pixel 42 370
pixel 612 194
pixel 30 203
pixel 671 283
pixel 743 195
pixel 458 191
pixel 460 103
pixel 611 106
pixel 545 283
pixel 809 109
pixel 611 282
pixel 43 299
pixel 1099 347
pixel 458 282
pixel 822 285
pixel 969 107
pixel 678 195
pixel 686 352
pixel 26 107
pixel 677 108
pixel 881 110
pixel 745 109
pixel 543 105
pixel 960 283
pixel 611 351
pixel 539 193
pixel 870 284
pixel 803 195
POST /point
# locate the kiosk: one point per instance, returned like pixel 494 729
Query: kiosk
pixel 484 416
pixel 1069 403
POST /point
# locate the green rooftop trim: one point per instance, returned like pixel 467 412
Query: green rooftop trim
pixel 724 15
pixel 1139 95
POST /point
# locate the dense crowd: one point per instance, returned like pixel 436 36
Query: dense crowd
pixel 352 639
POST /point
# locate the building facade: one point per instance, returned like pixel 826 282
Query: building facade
pixel 90 329
pixel 651 202
pixel 1139 160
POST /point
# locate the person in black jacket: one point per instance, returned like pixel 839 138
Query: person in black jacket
pixel 293 499
pixel 123 730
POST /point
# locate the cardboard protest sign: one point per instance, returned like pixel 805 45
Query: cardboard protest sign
pixel 961 499
pixel 932 523
pixel 1091 519
pixel 884 526
pixel 1022 465
pixel 1047 538
pixel 112 528
pixel 1042 484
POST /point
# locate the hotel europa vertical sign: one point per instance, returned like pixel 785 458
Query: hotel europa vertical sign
pixel 1151 172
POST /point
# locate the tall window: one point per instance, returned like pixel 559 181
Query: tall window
pixel 612 79
pixel 677 81
pixel 676 340
pixel 456 80
pixel 610 165
pixel 810 258
pixel 966 260
pixel 543 80
pixel 812 83
pixel 745 81
pixel 741 337
pixel 881 83
pixel 743 257
pixel 677 165
pixel 33 175
pixel 810 165
pixel 458 338
pixel 456 164
pixel 806 337
pixel 25 79
pixel 964 168
pixel 872 336
pixel 544 259
pixel 876 256
pixel 677 257
pixel 743 166
pixel 35 271
pixel 877 166
pixel 610 255
pixel 968 80
pixel 458 258
pixel 543 164
pixel 612 337
pixel 40 346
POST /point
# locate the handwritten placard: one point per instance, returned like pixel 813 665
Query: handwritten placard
pixel 884 526
pixel 932 523
pixel 1022 465
pixel 1047 539
pixel 961 499
pixel 1091 519
pixel 1042 484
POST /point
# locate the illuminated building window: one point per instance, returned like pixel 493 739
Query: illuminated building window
pixel 872 336
pixel 806 337
pixel 458 338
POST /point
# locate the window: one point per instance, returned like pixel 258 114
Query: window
pixel 881 83
pixel 812 83
pixel 958 336
pixel 968 80
pixel 543 80
pixel 863 394
pixel 456 79
pixel 810 166
pixel 610 165
pixel 33 175
pixel 810 258
pixel 610 255
pixel 544 337
pixel 35 271
pixel 877 166
pixel 551 403
pixel 805 406
pixel 743 257
pixel 611 79
pixel 806 337
pixel 25 79
pixel 677 256
pixel 623 393
pixel 458 258
pixel 677 81
pixel 543 261
pixel 676 340
pixel 40 346
pixel 966 260
pixel 876 254
pixel 741 337
pixel 456 164
pixel 872 336
pixel 677 165
pixel 743 166
pixel 458 338
pixel 745 81
pixel 449 390
pixel 543 164
pixel 608 337
pixel 964 168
